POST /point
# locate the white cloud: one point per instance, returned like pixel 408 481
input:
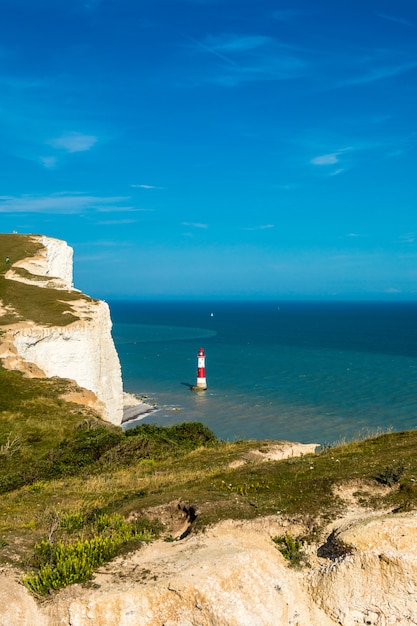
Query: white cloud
pixel 326 159
pixel 331 158
pixel 64 203
pixel 249 58
pixel 394 18
pixel 124 208
pixel 49 162
pixel 261 227
pixel 145 187
pixel 379 73
pixel 235 43
pixel 73 142
pixel 194 224
pixel 408 238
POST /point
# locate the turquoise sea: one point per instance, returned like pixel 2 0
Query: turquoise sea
pixel 302 371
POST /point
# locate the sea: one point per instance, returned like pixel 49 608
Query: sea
pixel 311 372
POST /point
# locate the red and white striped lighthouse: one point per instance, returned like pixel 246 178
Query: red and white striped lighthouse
pixel 201 371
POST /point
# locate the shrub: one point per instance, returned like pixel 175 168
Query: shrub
pixel 60 564
pixel 291 549
pixel 190 434
pixel 390 475
pixel 85 449
pixel 71 522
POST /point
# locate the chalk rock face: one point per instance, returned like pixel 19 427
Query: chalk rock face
pixel 82 351
pixel 226 577
pixel 17 606
pixel 233 575
pixel 59 259
pixel 375 582
pixel 54 262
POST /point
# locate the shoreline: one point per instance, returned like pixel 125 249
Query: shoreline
pixel 134 408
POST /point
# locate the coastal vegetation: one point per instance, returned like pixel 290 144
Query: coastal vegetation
pixel 23 301
pixel 76 491
pixel 291 549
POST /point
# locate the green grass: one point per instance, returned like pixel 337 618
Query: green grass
pixel 60 562
pixel 73 468
pixel 55 453
pixel 75 490
pixel 34 420
pixel 29 302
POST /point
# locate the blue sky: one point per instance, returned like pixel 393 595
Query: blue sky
pixel 215 148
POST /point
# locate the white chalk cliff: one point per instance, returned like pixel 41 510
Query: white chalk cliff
pixel 83 350
pixel 53 263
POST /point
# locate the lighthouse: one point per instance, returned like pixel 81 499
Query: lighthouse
pixel 201 384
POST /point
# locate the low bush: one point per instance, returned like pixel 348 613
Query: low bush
pixel 390 475
pixel 60 563
pixel 291 549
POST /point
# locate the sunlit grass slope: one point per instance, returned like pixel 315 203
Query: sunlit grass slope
pixel 72 474
pixel 75 491
pixel 29 302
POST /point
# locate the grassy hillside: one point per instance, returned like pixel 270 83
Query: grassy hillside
pixel 28 302
pixel 75 491
pixel 68 480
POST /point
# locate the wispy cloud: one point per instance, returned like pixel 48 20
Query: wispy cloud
pixel 395 18
pixel 236 43
pixel 326 159
pixel 73 142
pixel 249 58
pixel 408 238
pixel 195 225
pixel 375 73
pixel 50 162
pixel 115 208
pixel 333 163
pixel 261 227
pixel 145 187
pixel 61 203
pixel 330 159
pixel 206 46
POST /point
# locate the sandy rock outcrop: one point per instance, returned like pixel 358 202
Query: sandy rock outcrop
pixel 17 606
pixel 229 576
pixel 233 575
pixel 372 579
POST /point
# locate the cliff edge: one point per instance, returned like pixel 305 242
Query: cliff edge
pixel 51 329
pixel 232 575
pixel 217 561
